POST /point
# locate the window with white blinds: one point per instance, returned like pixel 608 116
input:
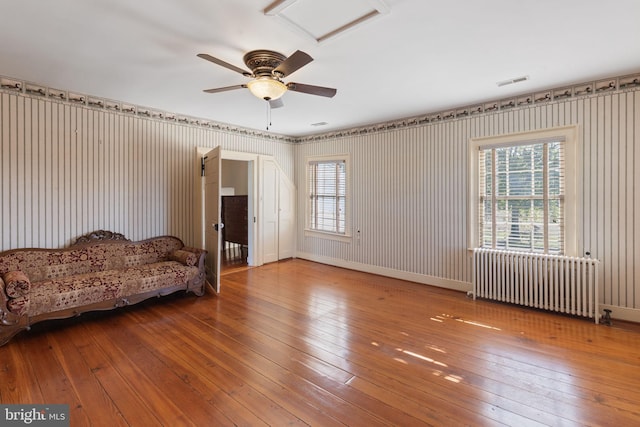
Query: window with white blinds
pixel 522 197
pixel 327 195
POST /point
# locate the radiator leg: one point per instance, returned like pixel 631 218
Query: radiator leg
pixel 606 317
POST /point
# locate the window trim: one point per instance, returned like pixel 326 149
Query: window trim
pixel 308 231
pixel 573 190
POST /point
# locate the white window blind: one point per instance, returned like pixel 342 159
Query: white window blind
pixel 522 196
pixel 327 181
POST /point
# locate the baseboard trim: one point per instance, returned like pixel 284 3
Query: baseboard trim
pixel 617 312
pixel 388 272
pixel 622 313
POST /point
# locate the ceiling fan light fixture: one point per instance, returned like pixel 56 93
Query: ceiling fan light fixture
pixel 267 88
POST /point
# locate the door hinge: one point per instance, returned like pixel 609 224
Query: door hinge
pixel 202 166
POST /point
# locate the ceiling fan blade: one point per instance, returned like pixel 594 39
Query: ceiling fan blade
pixel 292 64
pixel 312 90
pixel 224 89
pixel 276 103
pixel 224 64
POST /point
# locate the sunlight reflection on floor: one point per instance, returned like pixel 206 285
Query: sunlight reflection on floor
pixel 441 318
pixel 439 367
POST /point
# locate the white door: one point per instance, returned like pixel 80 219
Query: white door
pixel 286 218
pixel 269 203
pixel 212 223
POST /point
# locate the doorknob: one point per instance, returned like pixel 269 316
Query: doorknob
pixel 218 227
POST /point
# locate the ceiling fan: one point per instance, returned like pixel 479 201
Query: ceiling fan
pixel 268 68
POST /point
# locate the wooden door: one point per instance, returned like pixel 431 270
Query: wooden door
pixel 213 225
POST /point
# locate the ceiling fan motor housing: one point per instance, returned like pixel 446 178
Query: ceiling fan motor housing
pixel 263 62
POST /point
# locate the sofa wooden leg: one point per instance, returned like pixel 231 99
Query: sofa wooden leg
pixel 10 325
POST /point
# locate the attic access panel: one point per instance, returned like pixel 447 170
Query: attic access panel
pixel 325 19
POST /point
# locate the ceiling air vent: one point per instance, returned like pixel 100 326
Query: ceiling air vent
pixel 512 81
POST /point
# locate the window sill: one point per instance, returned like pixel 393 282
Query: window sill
pixel 326 235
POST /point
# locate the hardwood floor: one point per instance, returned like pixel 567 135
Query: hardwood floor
pixel 299 343
pixel 233 259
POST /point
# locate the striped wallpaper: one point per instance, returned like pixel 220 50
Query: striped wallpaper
pixel 409 190
pixel 68 169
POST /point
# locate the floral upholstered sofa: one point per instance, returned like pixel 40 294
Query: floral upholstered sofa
pixel 100 271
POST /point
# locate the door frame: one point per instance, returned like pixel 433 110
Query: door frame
pixel 253 256
pixel 255 167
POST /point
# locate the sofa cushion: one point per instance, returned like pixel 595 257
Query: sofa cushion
pixel 160 275
pixel 83 289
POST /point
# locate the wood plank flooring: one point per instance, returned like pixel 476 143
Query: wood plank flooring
pixel 300 343
pixel 233 259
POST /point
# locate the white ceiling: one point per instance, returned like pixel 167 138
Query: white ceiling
pixel 422 57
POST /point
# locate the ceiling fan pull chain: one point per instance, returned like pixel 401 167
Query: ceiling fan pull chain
pixel 268 115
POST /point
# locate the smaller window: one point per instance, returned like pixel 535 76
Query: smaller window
pixel 327 190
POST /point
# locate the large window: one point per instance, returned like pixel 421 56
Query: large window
pixel 327 190
pixel 522 197
pixel 525 194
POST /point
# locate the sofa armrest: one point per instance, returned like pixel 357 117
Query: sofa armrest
pixel 196 251
pixel 200 253
pixel 14 298
pixel 16 284
pixel 197 285
pixel 184 257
